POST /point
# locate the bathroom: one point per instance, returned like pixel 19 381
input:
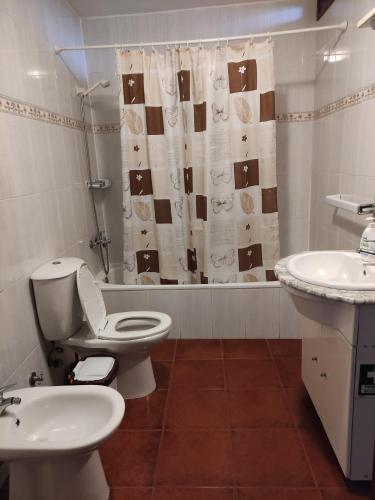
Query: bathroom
pixel 241 372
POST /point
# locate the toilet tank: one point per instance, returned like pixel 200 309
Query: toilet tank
pixel 56 295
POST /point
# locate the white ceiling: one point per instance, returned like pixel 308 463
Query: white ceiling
pixel 89 8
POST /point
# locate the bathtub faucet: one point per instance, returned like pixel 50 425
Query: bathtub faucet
pixel 100 239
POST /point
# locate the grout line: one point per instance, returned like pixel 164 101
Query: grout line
pixel 294 426
pixel 229 425
pixel 169 390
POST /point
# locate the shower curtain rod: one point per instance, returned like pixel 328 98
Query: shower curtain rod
pixel 342 27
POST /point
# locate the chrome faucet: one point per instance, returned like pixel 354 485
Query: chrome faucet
pixel 100 239
pixel 5 402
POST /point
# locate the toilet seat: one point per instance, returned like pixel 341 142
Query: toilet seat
pixel 124 326
pixel 135 325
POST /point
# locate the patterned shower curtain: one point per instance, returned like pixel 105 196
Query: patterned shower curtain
pixel 199 164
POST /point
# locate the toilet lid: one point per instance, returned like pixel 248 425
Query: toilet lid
pixel 91 300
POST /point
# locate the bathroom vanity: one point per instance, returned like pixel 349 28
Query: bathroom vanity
pixel 338 365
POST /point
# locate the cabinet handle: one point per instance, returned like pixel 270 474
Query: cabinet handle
pixel 323 375
pixel 314 359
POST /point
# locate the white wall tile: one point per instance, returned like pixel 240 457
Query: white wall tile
pixel 229 309
pixel 196 314
pixel 262 313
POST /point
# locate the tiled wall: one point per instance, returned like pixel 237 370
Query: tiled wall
pixel 344 141
pixel 45 211
pixel 294 72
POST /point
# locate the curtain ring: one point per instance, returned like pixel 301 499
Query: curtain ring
pixel 153 48
pixel 200 44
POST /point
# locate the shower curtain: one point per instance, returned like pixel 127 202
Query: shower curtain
pixel 199 164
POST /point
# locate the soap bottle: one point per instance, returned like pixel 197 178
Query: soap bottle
pixel 367 244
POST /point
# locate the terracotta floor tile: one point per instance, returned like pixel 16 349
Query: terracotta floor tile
pixel 195 458
pixel 131 494
pixel 164 351
pixel 162 372
pixel 206 374
pixel 172 493
pixel 290 371
pixel 301 407
pixel 129 457
pixel 198 349
pixel 258 408
pixel 282 348
pixel 353 492
pixel 323 460
pixel 145 413
pixel 197 409
pixel 250 373
pixel 270 457
pixel 278 494
pixel 245 348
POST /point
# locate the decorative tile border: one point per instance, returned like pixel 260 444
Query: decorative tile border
pixel 26 110
pixel 298 116
pixel 106 128
pixel 356 97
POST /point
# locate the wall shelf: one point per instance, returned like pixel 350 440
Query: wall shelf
pixel 351 202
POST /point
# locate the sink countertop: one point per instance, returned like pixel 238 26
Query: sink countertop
pixel 350 296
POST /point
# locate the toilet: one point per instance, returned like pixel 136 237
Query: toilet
pixel 65 290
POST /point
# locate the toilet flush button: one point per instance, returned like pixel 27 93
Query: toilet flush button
pixel 56 262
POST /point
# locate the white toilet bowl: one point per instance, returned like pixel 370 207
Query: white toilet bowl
pixel 65 287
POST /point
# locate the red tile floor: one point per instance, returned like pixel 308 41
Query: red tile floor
pixel 230 420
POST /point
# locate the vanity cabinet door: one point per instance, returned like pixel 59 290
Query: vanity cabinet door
pixel 327 371
pixel 337 377
pixel 312 355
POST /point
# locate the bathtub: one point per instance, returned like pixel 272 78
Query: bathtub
pixel 234 310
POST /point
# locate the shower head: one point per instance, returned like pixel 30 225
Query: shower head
pixel 102 83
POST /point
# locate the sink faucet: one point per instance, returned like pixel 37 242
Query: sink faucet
pixel 5 402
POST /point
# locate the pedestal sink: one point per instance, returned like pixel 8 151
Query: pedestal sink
pixel 333 269
pixel 51 440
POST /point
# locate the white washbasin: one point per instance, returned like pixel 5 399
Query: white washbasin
pixel 333 269
pixel 58 420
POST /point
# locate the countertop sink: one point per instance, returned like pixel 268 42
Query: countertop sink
pixel 333 269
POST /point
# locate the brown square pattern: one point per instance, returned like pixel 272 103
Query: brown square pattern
pixel 147 261
pixel 270 275
pixel 267 106
pixel 200 117
pixel 163 212
pixel 154 120
pixel 242 76
pixel 201 206
pixel 192 260
pixel 250 257
pixel 269 200
pixel 133 88
pixel 246 173
pixel 140 182
pixel 184 84
pixel 188 180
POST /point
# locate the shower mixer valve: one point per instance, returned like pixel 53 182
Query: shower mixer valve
pixel 100 239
